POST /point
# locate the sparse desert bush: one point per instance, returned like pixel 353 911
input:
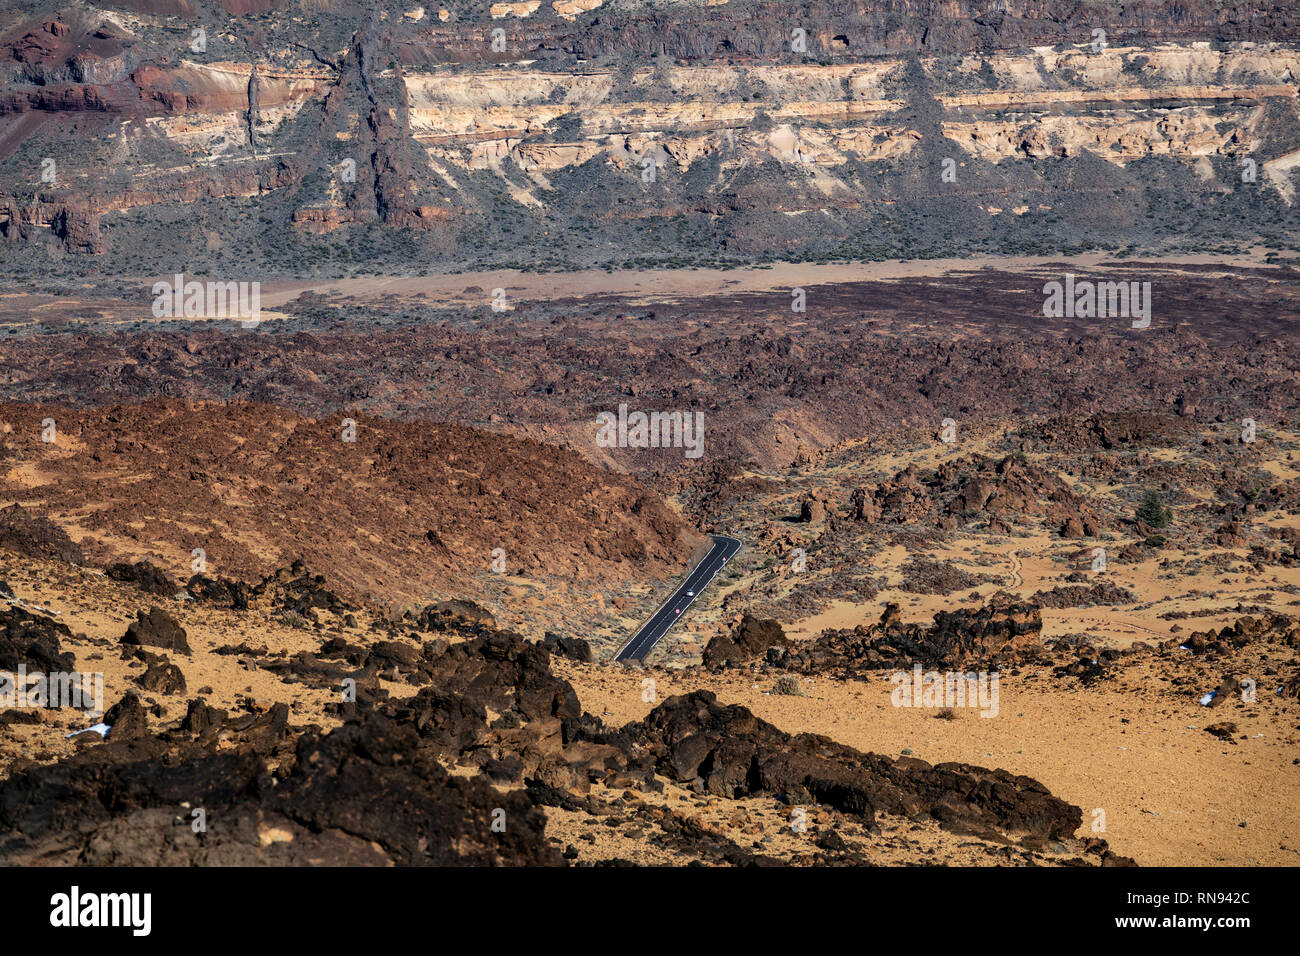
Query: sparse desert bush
pixel 294 619
pixel 787 685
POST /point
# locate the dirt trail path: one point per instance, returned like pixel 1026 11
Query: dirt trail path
pixel 674 284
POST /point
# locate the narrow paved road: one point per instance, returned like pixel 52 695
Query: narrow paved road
pixel 662 621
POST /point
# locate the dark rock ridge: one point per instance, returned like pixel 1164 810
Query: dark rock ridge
pixel 574 648
pixel 1081 595
pixel 375 791
pixel 1000 492
pixel 144 575
pixel 1002 631
pixel 986 638
pixel 36 536
pixel 219 590
pixel 749 639
pixel 361 795
pixel 33 641
pixel 156 628
pixel 726 750
pixel 435 364
pixel 1268 629
pixel 1110 430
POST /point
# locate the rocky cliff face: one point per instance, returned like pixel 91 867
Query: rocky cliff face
pixel 574 132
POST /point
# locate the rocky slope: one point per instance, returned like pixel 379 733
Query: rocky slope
pixel 403 511
pixel 461 747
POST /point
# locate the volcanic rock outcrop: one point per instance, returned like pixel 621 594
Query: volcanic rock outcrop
pixel 33 641
pixel 362 795
pixel 376 791
pixel 982 638
pixel 727 751
pixel 750 639
pixel 157 628
pixel 959 491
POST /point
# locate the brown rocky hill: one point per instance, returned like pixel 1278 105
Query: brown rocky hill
pixel 405 510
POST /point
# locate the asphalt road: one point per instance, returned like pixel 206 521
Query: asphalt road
pixel 662 621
